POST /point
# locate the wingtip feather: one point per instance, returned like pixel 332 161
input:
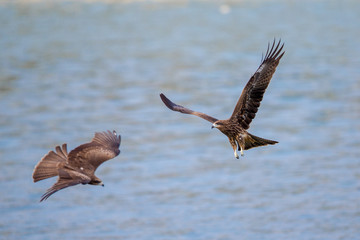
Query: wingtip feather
pixel 274 52
pixel 108 138
pixel 168 103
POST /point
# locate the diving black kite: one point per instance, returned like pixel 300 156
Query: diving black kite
pixel 79 165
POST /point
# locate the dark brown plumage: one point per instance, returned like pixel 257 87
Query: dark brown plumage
pixel 79 165
pixel 245 110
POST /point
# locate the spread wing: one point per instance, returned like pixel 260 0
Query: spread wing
pixel 178 108
pixel 66 179
pixel 253 93
pixel 104 146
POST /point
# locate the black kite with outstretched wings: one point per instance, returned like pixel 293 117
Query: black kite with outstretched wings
pixel 245 110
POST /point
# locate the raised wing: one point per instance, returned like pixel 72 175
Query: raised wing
pixel 251 96
pixel 178 108
pixel 104 146
pixel 66 179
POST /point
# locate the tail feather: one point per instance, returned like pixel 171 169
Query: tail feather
pixel 48 165
pixel 254 141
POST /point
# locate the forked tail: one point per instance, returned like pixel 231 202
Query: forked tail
pixel 254 141
pixel 47 167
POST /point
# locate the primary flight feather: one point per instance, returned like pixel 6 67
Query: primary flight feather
pixel 245 110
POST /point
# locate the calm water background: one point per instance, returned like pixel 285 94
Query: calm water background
pixel 68 69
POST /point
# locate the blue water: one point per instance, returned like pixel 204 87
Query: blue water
pixel 71 68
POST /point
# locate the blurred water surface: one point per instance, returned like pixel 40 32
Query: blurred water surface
pixel 70 68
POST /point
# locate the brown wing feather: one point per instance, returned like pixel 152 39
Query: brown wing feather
pixel 253 93
pixel 108 139
pixel 178 108
pixel 104 146
pixel 67 178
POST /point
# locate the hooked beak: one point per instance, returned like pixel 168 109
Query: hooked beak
pixel 213 126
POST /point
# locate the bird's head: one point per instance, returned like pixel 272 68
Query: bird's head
pixel 97 181
pixel 218 124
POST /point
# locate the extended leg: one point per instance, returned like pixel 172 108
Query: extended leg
pixel 241 151
pixel 241 146
pixel 234 146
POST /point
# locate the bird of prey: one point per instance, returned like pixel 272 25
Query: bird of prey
pixel 245 110
pixel 79 165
